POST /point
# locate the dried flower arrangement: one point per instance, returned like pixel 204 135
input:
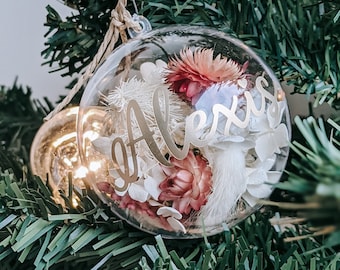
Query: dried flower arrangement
pixel 193 138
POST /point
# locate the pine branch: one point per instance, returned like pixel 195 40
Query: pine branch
pixel 300 41
pixel 73 42
pixel 317 161
pixel 20 118
pixel 315 177
pixel 37 233
pixel 41 230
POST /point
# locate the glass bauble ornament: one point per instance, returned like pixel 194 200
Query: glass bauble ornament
pixel 54 151
pixel 196 130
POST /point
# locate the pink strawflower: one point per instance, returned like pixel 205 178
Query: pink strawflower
pixel 194 71
pixel 188 183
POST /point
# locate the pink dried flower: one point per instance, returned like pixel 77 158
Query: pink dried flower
pixel 195 71
pixel 188 183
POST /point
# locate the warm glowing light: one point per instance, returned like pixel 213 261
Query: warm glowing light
pixel 91 135
pixel 67 161
pixel 94 166
pixel 72 111
pixel 280 95
pixel 74 202
pixel 81 172
pixel 62 139
pixel 96 125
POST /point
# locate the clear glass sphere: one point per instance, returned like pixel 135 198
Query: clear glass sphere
pixel 54 151
pixel 196 130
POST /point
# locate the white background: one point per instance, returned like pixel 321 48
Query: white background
pixel 22 41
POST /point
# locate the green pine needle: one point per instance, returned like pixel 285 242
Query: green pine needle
pixel 299 41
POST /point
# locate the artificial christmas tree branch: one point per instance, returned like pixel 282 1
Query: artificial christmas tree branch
pixel 277 30
pixel 120 21
pixel 315 177
pixel 301 43
pixel 38 234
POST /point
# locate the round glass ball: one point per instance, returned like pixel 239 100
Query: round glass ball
pixel 54 151
pixel 196 130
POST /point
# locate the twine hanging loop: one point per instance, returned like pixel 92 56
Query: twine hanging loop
pixel 121 20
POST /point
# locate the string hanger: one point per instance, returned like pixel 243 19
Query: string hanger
pixel 121 22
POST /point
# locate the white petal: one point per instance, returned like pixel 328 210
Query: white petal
pixel 166 211
pixel 131 167
pixel 271 142
pixel 281 136
pixel 265 146
pixel 249 171
pixel 114 173
pixel 273 177
pixel 154 203
pixel 176 224
pixel 158 174
pixel 267 164
pixel 223 142
pixel 103 145
pixel 257 177
pixel 147 69
pixel 138 193
pixel 151 185
pixel 119 182
pixel 242 83
pixel 274 117
pixel 161 64
pixel 260 191
pixel 251 200
pixel 258 124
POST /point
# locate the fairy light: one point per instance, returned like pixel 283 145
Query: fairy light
pixel 91 135
pixel 280 95
pixel 64 138
pixel 75 202
pixel 67 161
pixel 81 172
pixel 94 166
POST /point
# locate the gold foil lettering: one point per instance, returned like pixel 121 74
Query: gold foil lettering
pixel 195 125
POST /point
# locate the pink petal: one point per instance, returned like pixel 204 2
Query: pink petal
pixel 195 192
pixel 197 204
pixel 193 89
pixel 168 170
pixel 105 187
pixel 183 205
pixel 175 189
pixel 167 196
pixel 185 176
